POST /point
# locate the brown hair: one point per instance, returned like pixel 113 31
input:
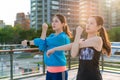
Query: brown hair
pixel 103 33
pixel 65 27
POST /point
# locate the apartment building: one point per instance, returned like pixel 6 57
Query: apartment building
pixel 95 7
pixel 44 10
pixel 88 8
pixel 22 20
pixel 115 13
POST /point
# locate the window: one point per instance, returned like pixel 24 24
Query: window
pixel 55 7
pixel 55 2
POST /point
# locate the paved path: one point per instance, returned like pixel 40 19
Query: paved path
pixel 72 74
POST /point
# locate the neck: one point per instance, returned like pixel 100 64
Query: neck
pixel 58 31
pixel 91 35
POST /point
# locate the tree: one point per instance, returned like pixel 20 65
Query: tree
pixel 114 34
pixel 6 35
pixel 14 35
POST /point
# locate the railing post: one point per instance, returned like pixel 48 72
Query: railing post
pixel 11 63
pixel 2 67
pixel 102 62
pixel 43 65
pixel 69 60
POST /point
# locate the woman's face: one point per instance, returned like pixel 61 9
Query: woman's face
pixel 91 26
pixel 56 24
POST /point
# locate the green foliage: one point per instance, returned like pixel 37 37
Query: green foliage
pixel 14 35
pixel 6 35
pixel 25 56
pixel 27 34
pixel 114 34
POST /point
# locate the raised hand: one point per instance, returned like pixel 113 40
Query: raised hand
pixel 44 31
pixel 50 52
pixel 79 30
pixel 77 41
pixel 24 43
pixel 44 27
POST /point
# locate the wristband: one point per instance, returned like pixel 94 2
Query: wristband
pixel 28 43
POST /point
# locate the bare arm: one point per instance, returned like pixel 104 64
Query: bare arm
pixel 75 45
pixel 64 47
pixel 44 31
pixel 43 35
pixel 95 42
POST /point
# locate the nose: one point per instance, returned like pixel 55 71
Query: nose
pixel 53 24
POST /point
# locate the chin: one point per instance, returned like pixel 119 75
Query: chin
pixel 54 29
pixel 88 31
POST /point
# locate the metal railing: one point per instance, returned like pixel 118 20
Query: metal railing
pixel 9 61
pixel 27 62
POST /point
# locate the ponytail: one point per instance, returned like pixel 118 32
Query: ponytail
pixel 106 49
pixel 106 43
pixel 67 30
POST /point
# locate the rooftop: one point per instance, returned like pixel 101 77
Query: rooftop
pixel 72 75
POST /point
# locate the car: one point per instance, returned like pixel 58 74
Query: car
pixel 37 57
pixel 17 52
pixel 115 47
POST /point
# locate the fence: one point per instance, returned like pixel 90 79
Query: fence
pixel 22 63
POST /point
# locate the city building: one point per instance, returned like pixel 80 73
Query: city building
pixel 115 13
pixel 88 8
pixel 95 7
pixel 105 11
pixel 76 11
pixel 2 24
pixel 22 20
pixel 44 10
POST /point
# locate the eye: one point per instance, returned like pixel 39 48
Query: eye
pixel 56 20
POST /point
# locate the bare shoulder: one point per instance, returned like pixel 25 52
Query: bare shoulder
pixel 94 39
pixel 97 39
pixel 97 43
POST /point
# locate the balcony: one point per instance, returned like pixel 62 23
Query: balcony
pixel 21 63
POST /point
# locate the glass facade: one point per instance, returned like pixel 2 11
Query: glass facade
pixel 43 10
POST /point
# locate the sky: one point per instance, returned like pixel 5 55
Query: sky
pixel 9 8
